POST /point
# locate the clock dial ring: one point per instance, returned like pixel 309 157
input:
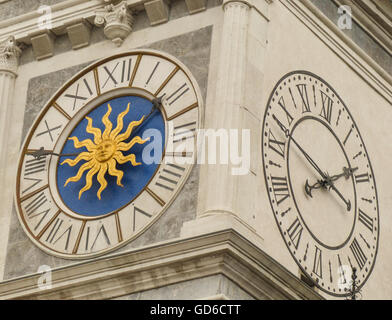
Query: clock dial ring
pixel 353 250
pixel 152 195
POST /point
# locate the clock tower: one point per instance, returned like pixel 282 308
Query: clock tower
pixel 195 149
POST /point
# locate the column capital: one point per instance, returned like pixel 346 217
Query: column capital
pixel 9 55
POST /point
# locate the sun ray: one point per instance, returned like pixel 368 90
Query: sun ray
pixel 122 159
pixel 95 131
pixel 120 123
pixel 107 123
pixel 101 179
pixel 105 151
pixel 82 169
pixel 82 156
pixel 126 134
pixel 122 146
pixel 89 179
pixel 85 143
pixel 114 172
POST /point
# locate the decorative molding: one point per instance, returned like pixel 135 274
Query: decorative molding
pixel 373 19
pixel 43 44
pixel 342 45
pixel 9 55
pixel 157 11
pixel 164 264
pixel 118 21
pixel 195 6
pixel 79 34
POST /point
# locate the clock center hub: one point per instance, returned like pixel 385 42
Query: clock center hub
pixel 328 221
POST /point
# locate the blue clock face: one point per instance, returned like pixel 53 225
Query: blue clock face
pixel 92 166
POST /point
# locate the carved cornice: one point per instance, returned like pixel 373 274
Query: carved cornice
pixel 117 21
pixel 9 55
pixel 120 274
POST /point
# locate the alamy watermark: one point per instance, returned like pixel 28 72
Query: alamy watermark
pixel 345 18
pixel 45 280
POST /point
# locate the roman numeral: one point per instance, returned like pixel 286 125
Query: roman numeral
pixel 280 188
pixel 177 94
pixel 317 263
pixel 36 203
pixel 76 96
pixel 54 230
pixel 282 104
pixel 152 73
pixel 295 232
pixel 366 220
pixel 358 253
pixel 170 177
pixel 34 166
pixel 48 131
pixel 364 177
pixel 348 134
pixel 45 212
pixel 110 74
pixel 276 145
pixel 138 210
pixel 326 110
pixel 102 231
pixel 125 72
pixel 184 131
pixel 303 91
pixel 68 231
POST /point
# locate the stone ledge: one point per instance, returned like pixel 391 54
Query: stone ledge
pixel 167 263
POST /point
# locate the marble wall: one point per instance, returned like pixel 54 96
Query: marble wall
pixel 193 49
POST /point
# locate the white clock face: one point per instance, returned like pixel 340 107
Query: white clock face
pixel 320 182
pixel 92 189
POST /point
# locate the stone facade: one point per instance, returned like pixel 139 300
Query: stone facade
pixel 218 239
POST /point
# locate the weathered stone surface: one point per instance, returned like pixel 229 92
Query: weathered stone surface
pixel 194 289
pixel 193 49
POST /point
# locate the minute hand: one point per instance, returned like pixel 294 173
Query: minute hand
pixel 311 161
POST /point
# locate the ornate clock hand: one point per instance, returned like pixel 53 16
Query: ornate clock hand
pixel 311 161
pixel 37 154
pixel 347 172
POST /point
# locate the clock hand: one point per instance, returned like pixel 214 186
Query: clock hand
pixel 347 172
pixel 311 161
pixel 37 154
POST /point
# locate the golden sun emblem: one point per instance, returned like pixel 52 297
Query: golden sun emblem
pixel 103 153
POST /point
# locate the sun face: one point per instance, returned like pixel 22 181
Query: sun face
pixel 105 152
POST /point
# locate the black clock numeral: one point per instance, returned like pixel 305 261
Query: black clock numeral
pixel 53 231
pixel 295 232
pixel 140 211
pixel 169 178
pixel 347 136
pixel 326 110
pixel 366 220
pixel 184 131
pixel 48 130
pixel 282 104
pixel 33 166
pixel 177 94
pixel 125 72
pixel 102 232
pixel 77 96
pixel 358 254
pixel 280 188
pixel 276 145
pixel 303 92
pixel 152 73
pixel 36 203
pixel 364 177
pixel 318 263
